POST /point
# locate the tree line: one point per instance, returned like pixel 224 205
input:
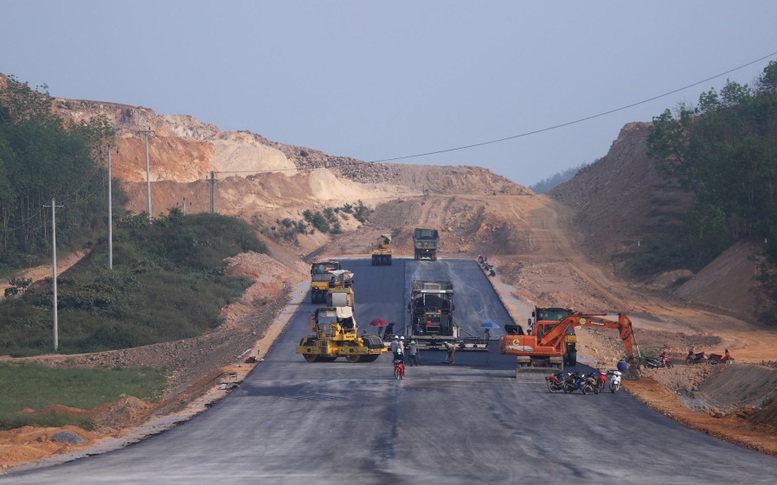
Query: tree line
pixel 44 157
pixel 724 150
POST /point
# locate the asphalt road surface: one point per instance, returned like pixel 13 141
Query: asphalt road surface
pixel 293 421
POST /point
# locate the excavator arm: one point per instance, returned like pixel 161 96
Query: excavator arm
pixel 623 325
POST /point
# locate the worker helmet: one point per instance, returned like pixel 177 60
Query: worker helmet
pixel 401 338
pixel 396 337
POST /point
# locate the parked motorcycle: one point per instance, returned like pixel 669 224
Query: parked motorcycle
pixel 615 380
pixel 696 358
pixel 600 381
pixel 555 382
pixel 720 359
pixel 655 363
pixel 576 380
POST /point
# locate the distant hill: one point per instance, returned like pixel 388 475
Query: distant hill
pixel 545 185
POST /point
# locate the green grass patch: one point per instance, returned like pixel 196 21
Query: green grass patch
pixel 36 387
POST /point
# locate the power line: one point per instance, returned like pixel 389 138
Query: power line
pixel 580 120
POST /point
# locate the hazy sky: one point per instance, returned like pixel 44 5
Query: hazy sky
pixel 378 80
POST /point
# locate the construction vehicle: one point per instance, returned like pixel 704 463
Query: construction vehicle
pixel 320 276
pixel 425 243
pixel 335 334
pixel 544 319
pixel 547 345
pixel 340 289
pixel 431 317
pixel 381 254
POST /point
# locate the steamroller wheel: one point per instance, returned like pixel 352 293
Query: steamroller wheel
pixel 353 358
pixel 311 357
pixel 369 358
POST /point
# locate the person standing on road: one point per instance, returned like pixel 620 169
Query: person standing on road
pixel 451 348
pixel 412 353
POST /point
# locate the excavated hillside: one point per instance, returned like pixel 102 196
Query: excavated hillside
pixel 621 201
pixel 254 174
pixel 621 205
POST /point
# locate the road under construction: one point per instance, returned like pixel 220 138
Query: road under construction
pixel 339 422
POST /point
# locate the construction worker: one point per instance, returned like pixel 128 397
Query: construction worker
pixel 412 353
pixel 451 348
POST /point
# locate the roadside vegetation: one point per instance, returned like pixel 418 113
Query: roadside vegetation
pixel 725 152
pixel 35 387
pixel 327 221
pixel 168 282
pixel 168 279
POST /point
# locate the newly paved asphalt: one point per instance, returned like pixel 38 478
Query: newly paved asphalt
pixel 297 422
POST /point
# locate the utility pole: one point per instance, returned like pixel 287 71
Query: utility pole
pixel 145 133
pixel 54 266
pixel 110 211
pixel 212 192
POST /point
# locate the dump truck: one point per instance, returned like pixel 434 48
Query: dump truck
pixel 425 243
pixel 431 317
pixel 320 276
pixel 335 334
pixel 546 346
pixel 381 254
pixel 340 289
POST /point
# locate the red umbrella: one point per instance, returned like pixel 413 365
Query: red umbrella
pixel 378 322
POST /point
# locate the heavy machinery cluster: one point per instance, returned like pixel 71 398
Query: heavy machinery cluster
pixel 335 332
pixel 548 341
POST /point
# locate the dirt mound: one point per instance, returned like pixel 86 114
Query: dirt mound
pixel 29 444
pixel 128 411
pixel 767 415
pixel 58 409
pixel 728 282
pixel 739 385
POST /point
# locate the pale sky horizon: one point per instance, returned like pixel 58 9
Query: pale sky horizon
pixel 381 80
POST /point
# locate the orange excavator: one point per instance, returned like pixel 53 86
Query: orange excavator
pixel 547 345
